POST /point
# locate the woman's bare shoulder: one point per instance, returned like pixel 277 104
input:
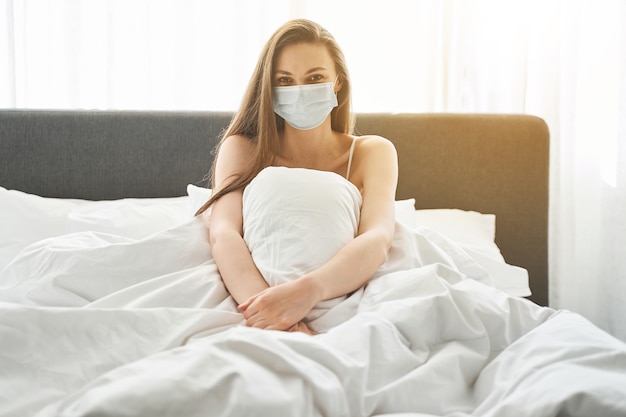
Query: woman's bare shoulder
pixel 375 163
pixel 375 145
pixel 234 154
pixel 237 143
pixel 236 148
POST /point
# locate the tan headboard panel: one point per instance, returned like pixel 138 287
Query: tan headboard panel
pixel 495 164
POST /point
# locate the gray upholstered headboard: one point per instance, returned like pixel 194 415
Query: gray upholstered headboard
pixel 101 155
pixel 489 163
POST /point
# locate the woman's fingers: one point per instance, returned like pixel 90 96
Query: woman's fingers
pixel 245 306
pixel 262 321
pixel 276 308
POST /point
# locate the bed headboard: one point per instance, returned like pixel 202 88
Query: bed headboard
pixel 488 163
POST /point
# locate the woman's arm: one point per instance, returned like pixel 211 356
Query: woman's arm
pixel 357 261
pixel 377 170
pixel 231 254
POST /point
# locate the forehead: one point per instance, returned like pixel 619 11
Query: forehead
pixel 300 57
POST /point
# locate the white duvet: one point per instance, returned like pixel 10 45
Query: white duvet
pixel 95 324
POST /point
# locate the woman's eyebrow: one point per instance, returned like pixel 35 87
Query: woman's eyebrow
pixel 316 69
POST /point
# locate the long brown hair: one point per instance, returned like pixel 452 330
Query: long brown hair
pixel 256 119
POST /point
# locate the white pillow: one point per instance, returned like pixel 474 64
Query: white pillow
pixel 198 196
pixel 469 229
pixel 27 218
pixel 134 218
pixel 405 212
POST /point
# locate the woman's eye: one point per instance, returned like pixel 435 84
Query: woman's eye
pixel 285 81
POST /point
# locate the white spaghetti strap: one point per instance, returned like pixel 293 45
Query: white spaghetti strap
pixel 350 157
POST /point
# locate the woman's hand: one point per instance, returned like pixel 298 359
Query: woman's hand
pixel 280 307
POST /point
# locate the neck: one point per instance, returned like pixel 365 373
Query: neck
pixel 310 148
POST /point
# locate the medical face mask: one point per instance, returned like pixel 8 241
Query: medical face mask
pixel 305 107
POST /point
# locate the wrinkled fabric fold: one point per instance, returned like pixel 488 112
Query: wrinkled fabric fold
pixel 97 324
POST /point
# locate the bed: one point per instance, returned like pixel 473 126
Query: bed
pixel 111 304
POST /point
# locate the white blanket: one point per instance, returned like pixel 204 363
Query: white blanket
pixel 97 324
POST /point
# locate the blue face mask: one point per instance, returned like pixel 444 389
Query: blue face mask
pixel 305 107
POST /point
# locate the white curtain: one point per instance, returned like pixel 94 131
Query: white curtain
pixel 563 60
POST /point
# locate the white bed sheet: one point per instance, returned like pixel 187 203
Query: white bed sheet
pixel 111 323
pixel 99 324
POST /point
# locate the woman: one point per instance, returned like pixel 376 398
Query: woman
pixel 296 115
